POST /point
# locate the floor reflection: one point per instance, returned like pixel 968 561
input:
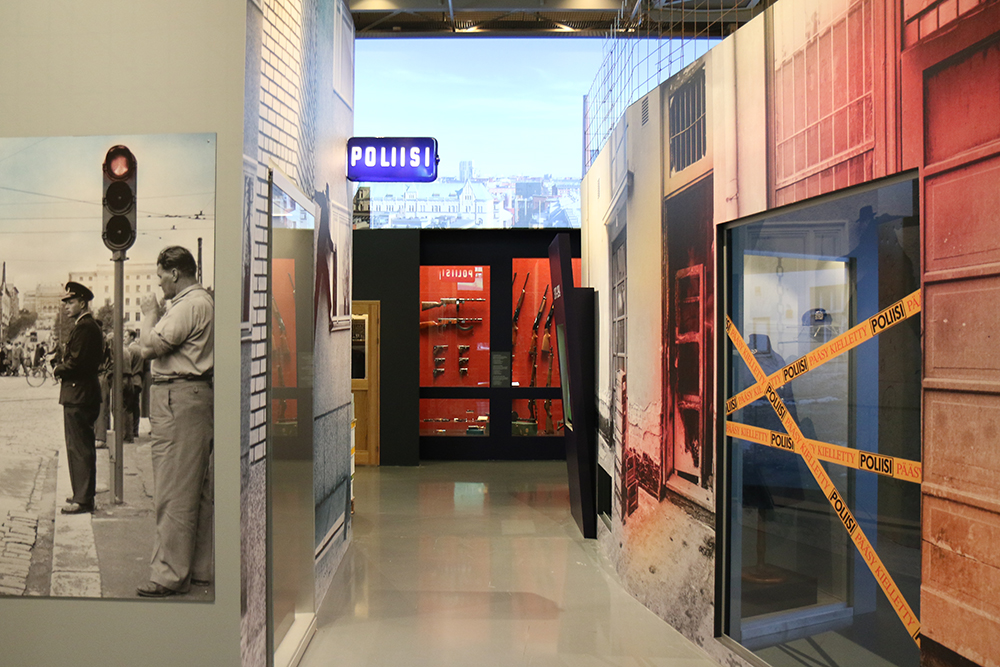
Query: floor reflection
pixel 456 564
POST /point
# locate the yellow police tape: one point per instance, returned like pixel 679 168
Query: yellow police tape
pixel 806 450
pixel 890 466
pixel 850 339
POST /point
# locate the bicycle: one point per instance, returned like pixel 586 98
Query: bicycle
pixel 37 375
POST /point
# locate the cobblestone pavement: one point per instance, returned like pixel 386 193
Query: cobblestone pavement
pixel 31 437
pixel 44 552
pixel 17 537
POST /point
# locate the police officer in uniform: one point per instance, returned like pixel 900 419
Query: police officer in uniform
pixel 80 396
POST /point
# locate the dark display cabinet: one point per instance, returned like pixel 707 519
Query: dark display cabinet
pixel 461 378
pixel 496 356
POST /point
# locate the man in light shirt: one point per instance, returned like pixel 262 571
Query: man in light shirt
pixel 180 344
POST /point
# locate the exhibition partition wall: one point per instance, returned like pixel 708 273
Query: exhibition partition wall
pixel 764 226
pixel 266 84
pixel 176 71
pixel 299 116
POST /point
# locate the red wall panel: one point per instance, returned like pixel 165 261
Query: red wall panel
pixel 968 422
pixel 961 108
pixel 962 213
pixel 961 323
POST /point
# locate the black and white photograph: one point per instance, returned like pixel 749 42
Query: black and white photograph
pixel 333 260
pixel 107 330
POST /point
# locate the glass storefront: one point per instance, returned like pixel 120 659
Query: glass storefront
pixel 822 437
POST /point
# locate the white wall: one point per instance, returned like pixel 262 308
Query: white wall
pixel 109 67
pixel 644 338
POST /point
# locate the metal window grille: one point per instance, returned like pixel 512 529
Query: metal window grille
pixel 619 309
pixel 687 122
pixel 648 44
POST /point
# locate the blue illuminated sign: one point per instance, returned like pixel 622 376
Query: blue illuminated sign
pixel 392 159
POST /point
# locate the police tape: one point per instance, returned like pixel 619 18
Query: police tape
pixel 850 339
pixel 806 450
pixel 889 466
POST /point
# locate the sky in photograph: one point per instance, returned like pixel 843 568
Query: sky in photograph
pixel 51 212
pixel 512 106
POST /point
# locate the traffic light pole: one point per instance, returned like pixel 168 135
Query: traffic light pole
pixel 118 393
pixel 118 233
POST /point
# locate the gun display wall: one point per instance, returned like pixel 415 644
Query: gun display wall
pixel 454 326
pixel 534 360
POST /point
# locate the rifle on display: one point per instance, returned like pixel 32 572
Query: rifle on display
pixel 446 301
pixel 546 339
pixel 533 352
pixel 517 316
pixel 463 323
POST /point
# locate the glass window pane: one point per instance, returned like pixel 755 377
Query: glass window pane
pixel 805 289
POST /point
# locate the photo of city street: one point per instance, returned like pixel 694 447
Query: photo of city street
pixel 57 274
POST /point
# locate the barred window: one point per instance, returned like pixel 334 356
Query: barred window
pixel 687 123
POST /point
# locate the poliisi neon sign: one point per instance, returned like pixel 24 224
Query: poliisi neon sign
pixel 392 159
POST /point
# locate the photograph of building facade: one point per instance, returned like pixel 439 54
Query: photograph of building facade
pixel 812 176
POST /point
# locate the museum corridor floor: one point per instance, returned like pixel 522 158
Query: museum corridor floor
pixel 481 565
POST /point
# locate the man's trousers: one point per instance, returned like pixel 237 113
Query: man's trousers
pixel 181 420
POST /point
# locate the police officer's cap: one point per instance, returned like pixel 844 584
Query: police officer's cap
pixel 77 291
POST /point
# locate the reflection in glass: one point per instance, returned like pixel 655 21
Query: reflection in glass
pixel 796 281
pixel 290 467
pixel 359 347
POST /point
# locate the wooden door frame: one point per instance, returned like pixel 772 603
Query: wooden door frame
pixel 373 377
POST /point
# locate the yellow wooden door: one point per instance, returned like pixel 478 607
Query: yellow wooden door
pixel 365 323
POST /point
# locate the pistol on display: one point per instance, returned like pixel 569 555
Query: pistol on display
pixel 438 371
pixel 446 301
pixel 463 371
pixel 463 361
pixel 439 361
pixel 438 349
pixel 462 349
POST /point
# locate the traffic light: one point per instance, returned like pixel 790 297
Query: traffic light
pixel 119 200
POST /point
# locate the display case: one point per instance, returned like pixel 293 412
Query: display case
pixel 449 278
pixel 534 354
pixel 291 505
pixel 454 326
pixel 454 417
pixel 536 417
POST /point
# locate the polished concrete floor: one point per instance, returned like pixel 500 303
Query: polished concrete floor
pixel 481 565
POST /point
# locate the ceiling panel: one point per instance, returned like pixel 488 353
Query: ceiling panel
pixel 549 18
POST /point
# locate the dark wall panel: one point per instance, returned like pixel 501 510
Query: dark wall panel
pixel 387 269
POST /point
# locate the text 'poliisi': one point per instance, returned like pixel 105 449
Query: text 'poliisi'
pixel 392 159
pixel 392 156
